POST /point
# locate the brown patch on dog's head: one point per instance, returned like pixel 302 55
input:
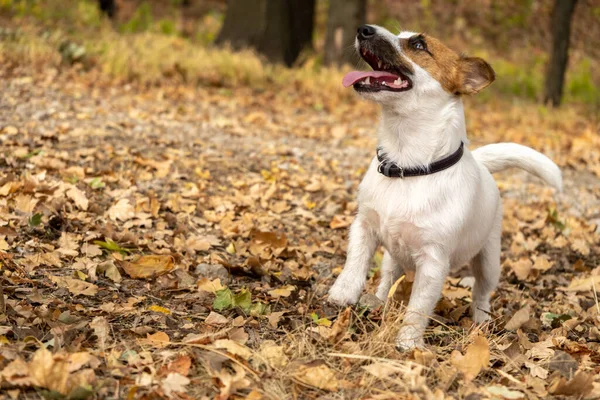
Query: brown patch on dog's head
pixel 456 74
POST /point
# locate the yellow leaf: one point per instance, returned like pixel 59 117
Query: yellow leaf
pixel 159 309
pixel 231 248
pixel 206 285
pixel 149 266
pixel 285 291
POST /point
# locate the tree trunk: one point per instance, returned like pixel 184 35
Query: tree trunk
pixel 108 7
pixel 561 31
pixel 278 29
pixel 344 17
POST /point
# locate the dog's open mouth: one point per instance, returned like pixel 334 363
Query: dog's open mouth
pixel 383 77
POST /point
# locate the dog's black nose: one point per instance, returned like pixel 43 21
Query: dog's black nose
pixel 365 32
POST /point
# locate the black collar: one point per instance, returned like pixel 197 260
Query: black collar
pixel 393 170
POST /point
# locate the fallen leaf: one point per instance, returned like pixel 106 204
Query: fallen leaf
pixel 158 340
pixel 584 284
pixel 340 326
pixel 504 392
pixel 518 319
pixel 341 221
pixel 101 330
pixel 215 319
pixel 284 291
pixel 75 286
pixel 149 266
pixel 274 318
pixel 317 374
pixel 580 385
pixel 121 211
pixel 273 354
pixel 159 309
pixel 206 285
pixel 174 382
pixel 180 365
pixel 78 196
pixel 233 347
pixel 476 358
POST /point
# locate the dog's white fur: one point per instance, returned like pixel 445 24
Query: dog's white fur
pixel 432 223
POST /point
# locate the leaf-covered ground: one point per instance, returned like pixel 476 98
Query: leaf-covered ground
pixel 179 242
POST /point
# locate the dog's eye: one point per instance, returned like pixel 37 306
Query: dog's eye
pixel 419 45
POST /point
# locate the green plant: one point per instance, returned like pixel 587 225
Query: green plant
pixel 140 21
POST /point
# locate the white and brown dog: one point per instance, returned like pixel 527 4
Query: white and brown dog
pixel 426 198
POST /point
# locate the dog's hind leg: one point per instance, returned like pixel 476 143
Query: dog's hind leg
pixel 486 269
pixel 390 272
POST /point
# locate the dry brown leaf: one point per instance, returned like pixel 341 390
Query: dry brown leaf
pixel 273 354
pixel 215 318
pixel 341 221
pixel 101 330
pixel 75 286
pixel 174 382
pixel 519 319
pixel 317 374
pixel 580 385
pixel 340 326
pixel 584 284
pixel 274 318
pixel 476 358
pixel 78 196
pixel 121 211
pixel 158 340
pixel 149 266
pixel 522 268
pixel 180 365
pixel 233 347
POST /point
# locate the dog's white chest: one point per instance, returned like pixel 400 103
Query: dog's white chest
pixel 393 210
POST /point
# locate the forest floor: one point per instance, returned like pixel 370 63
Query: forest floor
pixel 179 242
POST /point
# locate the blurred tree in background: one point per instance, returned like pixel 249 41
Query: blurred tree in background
pixel 560 26
pixel 343 17
pixel 279 29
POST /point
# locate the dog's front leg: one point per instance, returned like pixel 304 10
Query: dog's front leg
pixel 432 269
pixel 361 246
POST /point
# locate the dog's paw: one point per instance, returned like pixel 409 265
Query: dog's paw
pixel 408 339
pixel 480 313
pixel 342 293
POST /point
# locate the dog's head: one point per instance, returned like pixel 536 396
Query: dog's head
pixel 411 68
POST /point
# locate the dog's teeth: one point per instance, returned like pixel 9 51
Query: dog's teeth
pixel 378 64
pixel 384 83
pixel 398 81
pixel 368 80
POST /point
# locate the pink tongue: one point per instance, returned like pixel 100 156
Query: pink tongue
pixel 352 77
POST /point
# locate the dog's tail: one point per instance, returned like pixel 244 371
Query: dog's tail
pixel 501 156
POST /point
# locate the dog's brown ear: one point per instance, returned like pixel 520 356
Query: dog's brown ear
pixel 474 74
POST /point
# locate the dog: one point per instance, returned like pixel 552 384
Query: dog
pixel 430 202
